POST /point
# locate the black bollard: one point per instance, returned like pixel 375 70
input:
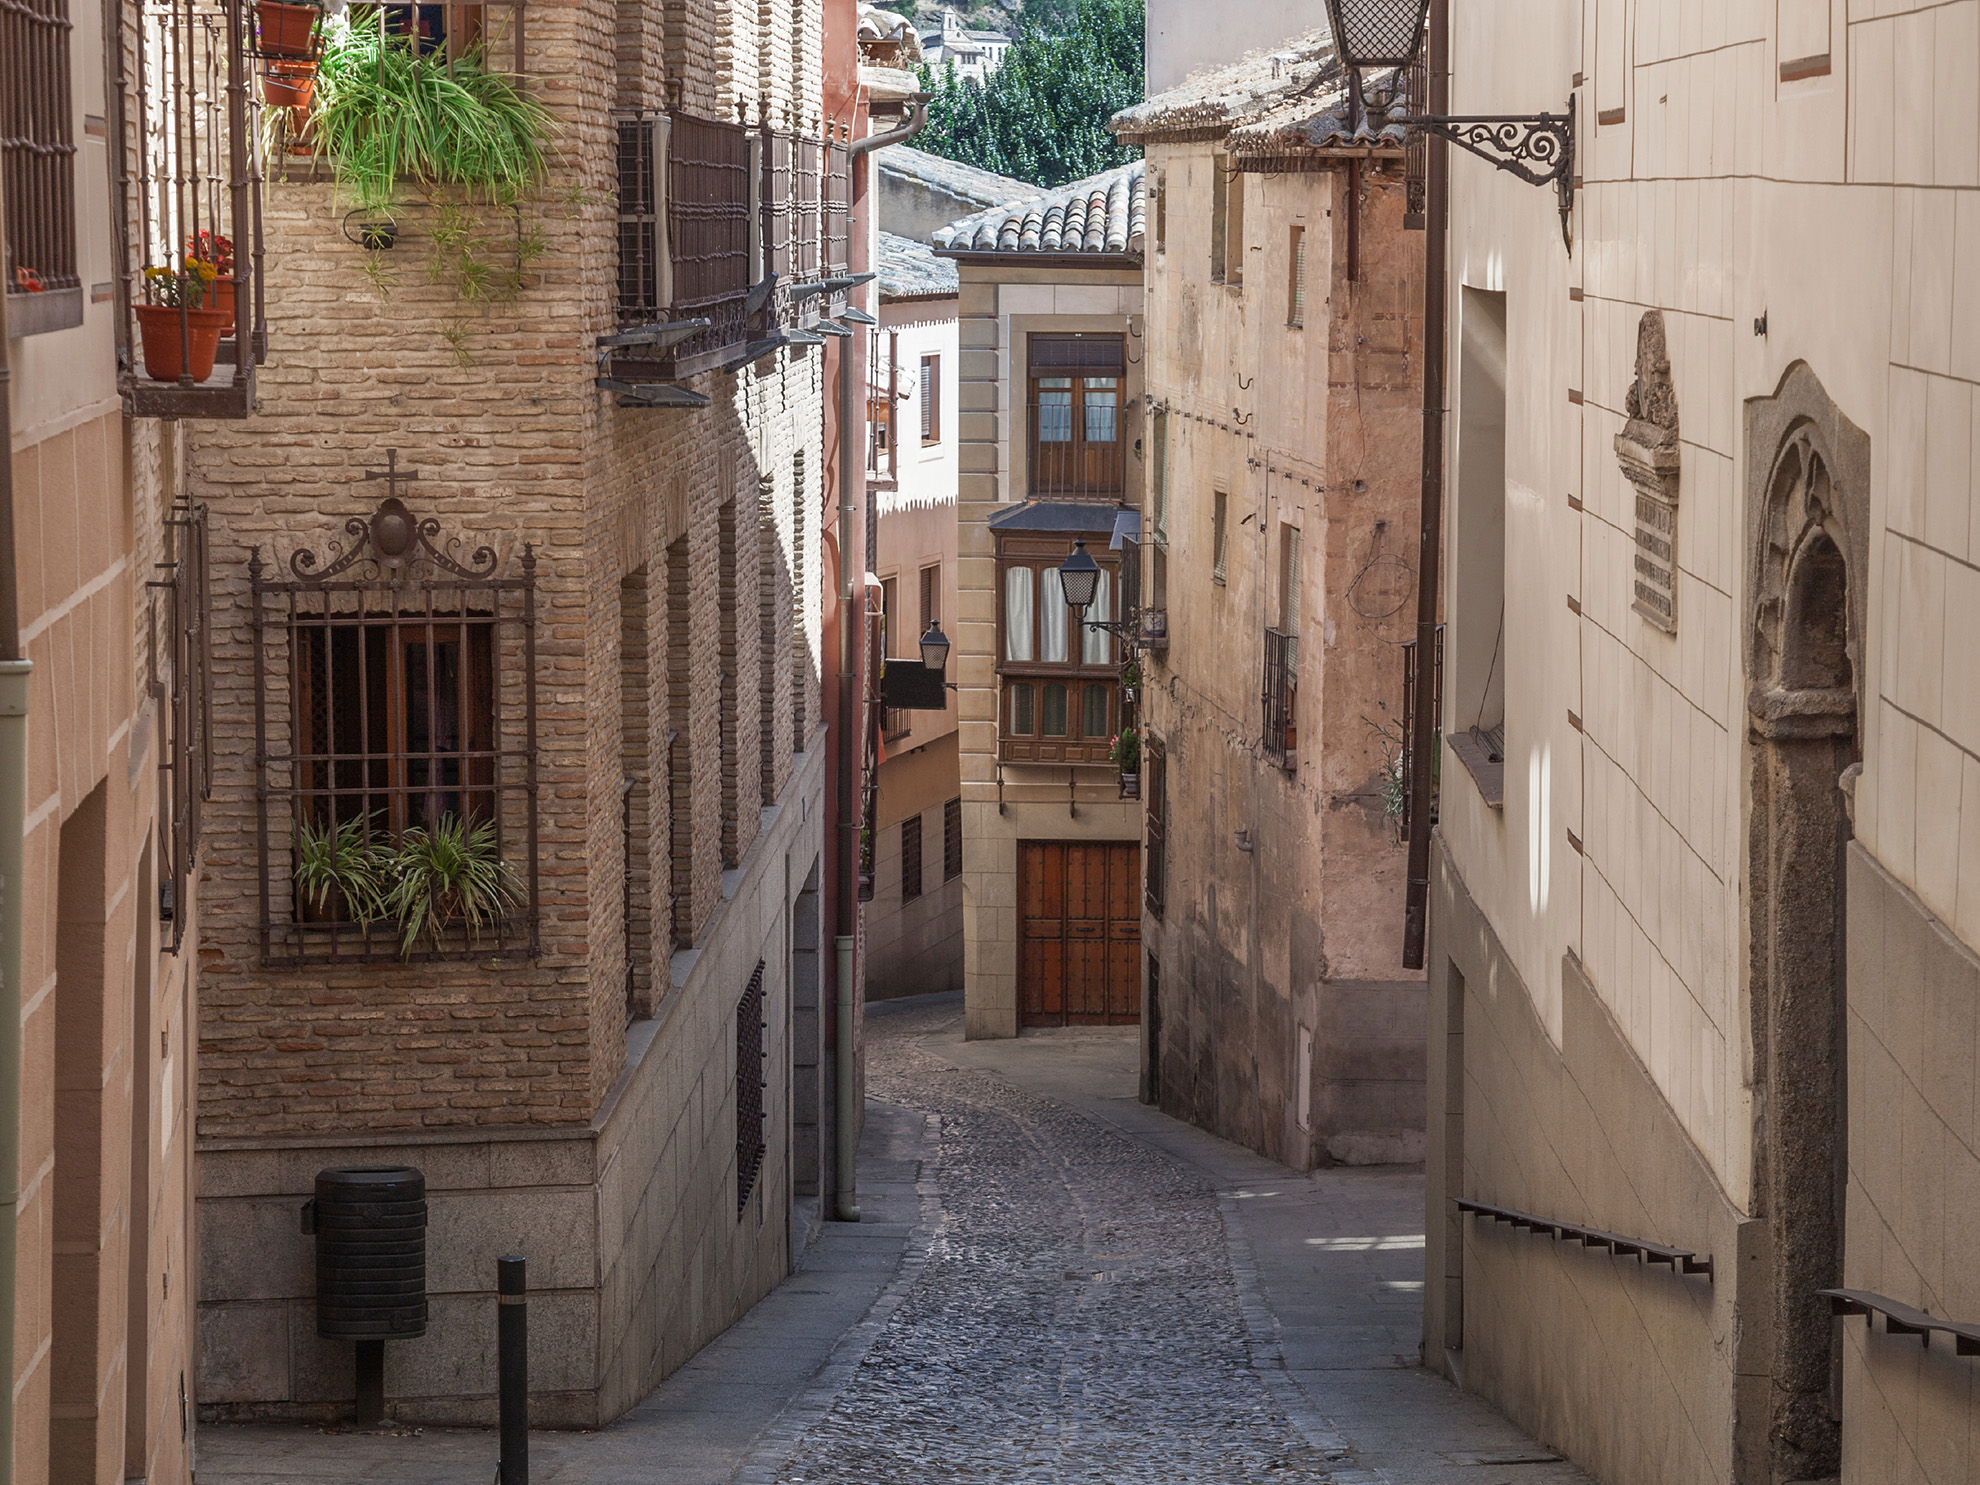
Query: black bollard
pixel 512 1367
pixel 370 1411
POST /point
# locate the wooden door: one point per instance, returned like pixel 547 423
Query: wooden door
pixel 1079 960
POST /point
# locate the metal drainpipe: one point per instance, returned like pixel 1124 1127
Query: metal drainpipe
pixel 14 672
pixel 846 1066
pixel 1429 583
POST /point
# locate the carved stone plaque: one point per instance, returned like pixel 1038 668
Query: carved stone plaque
pixel 1647 450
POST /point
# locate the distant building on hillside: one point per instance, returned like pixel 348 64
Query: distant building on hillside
pixel 976 54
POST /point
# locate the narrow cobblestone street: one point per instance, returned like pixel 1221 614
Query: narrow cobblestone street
pixel 1054 1283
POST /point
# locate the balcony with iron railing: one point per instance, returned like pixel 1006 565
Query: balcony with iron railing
pixel 703 282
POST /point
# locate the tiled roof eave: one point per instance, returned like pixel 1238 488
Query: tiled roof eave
pixel 1270 158
pixel 1191 133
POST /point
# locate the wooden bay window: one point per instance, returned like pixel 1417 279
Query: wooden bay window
pixel 1060 681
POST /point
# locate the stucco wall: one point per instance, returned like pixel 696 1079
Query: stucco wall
pixel 1305 428
pixel 1803 226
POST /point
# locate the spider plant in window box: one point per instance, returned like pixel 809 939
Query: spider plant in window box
pixel 341 873
pixel 448 873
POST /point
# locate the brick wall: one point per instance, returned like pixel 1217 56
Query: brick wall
pixel 495 408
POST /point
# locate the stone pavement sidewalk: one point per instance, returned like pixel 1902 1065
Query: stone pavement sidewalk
pixel 883 1361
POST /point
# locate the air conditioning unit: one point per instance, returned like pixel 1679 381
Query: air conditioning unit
pixel 1154 629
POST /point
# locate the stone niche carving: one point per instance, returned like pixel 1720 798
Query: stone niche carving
pixel 1647 450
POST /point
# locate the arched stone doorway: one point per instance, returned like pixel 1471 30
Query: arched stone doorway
pixel 1807 552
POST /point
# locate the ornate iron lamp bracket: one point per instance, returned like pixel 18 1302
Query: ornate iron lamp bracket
pixel 1538 148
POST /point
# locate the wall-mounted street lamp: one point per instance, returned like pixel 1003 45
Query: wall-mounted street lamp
pixel 935 649
pixel 1538 148
pixel 1079 578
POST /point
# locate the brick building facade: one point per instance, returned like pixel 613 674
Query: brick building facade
pixel 632 572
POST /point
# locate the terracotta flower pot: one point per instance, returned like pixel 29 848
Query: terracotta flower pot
pixel 168 356
pixel 220 299
pixel 284 30
pixel 290 85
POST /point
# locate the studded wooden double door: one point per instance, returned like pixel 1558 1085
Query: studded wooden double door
pixel 1079 908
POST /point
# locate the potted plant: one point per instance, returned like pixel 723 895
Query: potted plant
pixel 340 873
pixel 446 873
pixel 282 29
pixel 1125 754
pixel 1131 681
pixel 217 250
pixel 180 336
pixel 291 87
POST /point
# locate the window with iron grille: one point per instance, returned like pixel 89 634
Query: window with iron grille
pixel 749 1088
pixel 1405 765
pixel 395 692
pixel 952 840
pixel 807 209
pixel 775 204
pixel 931 399
pixel 910 858
pixel 1155 860
pixel 184 676
pixel 1281 696
pixel 1220 535
pixel 931 598
pixel 684 235
pixel 1296 279
pixel 38 167
pixel 838 209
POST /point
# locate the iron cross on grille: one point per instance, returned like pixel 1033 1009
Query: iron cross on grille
pixel 392 475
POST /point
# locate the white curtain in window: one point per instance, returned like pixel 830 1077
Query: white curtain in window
pixel 1093 646
pixel 1052 629
pixel 1019 619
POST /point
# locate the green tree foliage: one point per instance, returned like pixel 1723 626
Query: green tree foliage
pixel 1043 114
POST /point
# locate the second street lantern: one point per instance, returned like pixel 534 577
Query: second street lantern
pixel 1377 33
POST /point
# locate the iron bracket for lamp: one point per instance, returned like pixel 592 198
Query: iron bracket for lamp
pixel 1538 148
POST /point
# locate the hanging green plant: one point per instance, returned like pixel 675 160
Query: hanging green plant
pixel 388 116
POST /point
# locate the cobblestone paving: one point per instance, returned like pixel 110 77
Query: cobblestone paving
pixel 1076 1318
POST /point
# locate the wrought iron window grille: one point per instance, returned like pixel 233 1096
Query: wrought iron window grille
pixel 394 686
pixel 1281 698
pixel 199 175
pixel 1408 760
pixel 750 1053
pixel 184 685
pixel 38 168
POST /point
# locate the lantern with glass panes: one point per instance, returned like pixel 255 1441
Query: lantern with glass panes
pixel 1538 148
pixel 1079 579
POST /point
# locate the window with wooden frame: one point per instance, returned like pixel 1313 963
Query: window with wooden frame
pixel 931 400
pixel 931 599
pixel 1296 279
pixel 492 29
pixel 952 840
pixel 894 721
pixel 38 168
pixel 1220 536
pixel 395 690
pixel 1075 414
pixel 1060 700
pixel 910 858
pixel 1161 211
pixel 1233 226
pixel 1220 195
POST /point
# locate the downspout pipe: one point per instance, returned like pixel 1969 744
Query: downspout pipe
pixel 14 674
pixel 852 567
pixel 1429 581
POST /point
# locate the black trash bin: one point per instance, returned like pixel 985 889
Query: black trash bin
pixel 370 1227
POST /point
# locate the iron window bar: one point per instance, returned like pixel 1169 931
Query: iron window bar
pixel 1679 1260
pixel 185 762
pixel 38 168
pixel 1407 749
pixel 750 1054
pixel 1281 697
pixel 381 675
pixel 1902 1319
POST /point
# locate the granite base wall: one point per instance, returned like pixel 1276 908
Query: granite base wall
pixel 1911 1413
pixel 1641 1376
pixel 638 1254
